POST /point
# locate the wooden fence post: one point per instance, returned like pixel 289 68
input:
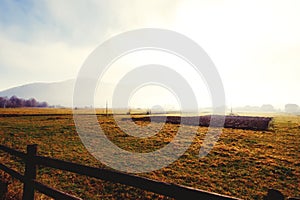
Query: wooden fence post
pixel 30 172
pixel 3 188
pixel 274 195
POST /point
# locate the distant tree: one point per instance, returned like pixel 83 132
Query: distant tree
pixel 27 103
pixel 3 101
pixel 33 102
pixel 15 102
pixel 292 108
pixel 43 104
pixel 267 108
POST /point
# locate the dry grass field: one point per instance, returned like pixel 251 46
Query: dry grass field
pixel 243 163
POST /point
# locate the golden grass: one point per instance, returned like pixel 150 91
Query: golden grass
pixel 242 164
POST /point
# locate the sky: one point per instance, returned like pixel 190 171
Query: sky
pixel 255 45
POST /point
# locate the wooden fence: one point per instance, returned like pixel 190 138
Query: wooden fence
pixel 30 184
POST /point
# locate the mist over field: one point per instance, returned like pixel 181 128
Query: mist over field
pixel 257 55
pixel 60 94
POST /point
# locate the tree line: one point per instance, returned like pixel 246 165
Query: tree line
pixel 15 102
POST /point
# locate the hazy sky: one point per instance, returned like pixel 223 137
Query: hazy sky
pixel 254 44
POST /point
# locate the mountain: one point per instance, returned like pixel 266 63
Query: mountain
pixel 57 93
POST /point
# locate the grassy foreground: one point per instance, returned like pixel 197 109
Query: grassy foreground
pixel 243 163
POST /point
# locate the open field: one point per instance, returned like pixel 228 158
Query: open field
pixel 243 163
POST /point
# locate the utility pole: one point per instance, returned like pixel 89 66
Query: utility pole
pixel 106 110
pixel 231 112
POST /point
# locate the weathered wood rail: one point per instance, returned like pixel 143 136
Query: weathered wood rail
pixel 30 184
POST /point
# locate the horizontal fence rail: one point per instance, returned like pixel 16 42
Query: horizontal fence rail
pixel 56 194
pixel 32 160
pixel 51 192
pixel 12 172
pixel 31 184
pixel 13 152
pixel 163 188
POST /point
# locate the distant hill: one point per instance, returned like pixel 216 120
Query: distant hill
pixel 57 93
pixel 61 93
